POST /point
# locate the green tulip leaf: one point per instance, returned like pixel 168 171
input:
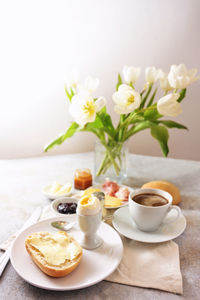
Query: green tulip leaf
pixel 138 127
pixel 172 124
pixel 102 111
pixel 151 113
pixel 182 95
pixel 96 124
pixel 72 92
pixel 137 120
pixel 106 120
pixel 68 94
pixel 146 96
pixel 160 133
pixel 119 82
pixel 152 98
pixel 69 133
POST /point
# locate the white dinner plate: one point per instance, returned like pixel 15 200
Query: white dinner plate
pixel 124 224
pixel 95 265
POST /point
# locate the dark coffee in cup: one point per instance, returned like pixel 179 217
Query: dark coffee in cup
pixel 152 200
pixel 149 207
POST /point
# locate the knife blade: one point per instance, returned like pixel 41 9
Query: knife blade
pixel 32 220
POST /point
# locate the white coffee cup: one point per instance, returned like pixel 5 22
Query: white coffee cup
pixel 149 218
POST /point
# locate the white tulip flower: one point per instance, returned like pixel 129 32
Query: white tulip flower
pixel 131 74
pixel 164 82
pixel 126 99
pixel 179 77
pixel 168 105
pixel 83 108
pixel 72 80
pixel 152 74
pixel 91 84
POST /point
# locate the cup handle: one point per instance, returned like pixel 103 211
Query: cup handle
pixel 177 215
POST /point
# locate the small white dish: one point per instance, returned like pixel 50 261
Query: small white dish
pixel 124 224
pixel 56 202
pixel 95 265
pixel 50 196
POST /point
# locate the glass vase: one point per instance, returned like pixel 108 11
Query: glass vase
pixel 110 161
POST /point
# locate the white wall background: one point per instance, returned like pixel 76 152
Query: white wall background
pixel 42 40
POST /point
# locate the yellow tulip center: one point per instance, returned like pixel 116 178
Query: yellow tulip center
pixel 89 108
pixel 130 100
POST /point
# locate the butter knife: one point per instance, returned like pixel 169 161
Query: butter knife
pixel 32 220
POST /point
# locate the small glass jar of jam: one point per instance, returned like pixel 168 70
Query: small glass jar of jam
pixel 82 179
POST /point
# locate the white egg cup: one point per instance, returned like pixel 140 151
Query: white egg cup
pixel 89 226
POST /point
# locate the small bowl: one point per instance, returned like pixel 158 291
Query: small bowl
pixel 55 203
pixel 53 196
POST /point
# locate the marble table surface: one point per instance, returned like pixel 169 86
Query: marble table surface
pixel 21 183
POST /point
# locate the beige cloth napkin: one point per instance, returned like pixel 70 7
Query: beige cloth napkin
pixel 150 265
pixel 145 265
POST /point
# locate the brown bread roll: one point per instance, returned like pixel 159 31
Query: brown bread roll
pixel 165 186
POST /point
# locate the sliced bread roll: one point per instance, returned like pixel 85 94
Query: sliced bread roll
pixel 165 186
pixel 55 254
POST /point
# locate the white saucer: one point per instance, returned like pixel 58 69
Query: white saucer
pixel 95 265
pixel 123 223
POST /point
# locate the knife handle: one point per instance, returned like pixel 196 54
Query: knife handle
pixel 4 260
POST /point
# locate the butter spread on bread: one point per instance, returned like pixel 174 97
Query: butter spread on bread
pixel 56 254
pixel 56 248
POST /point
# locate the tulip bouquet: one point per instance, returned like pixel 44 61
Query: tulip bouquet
pixel 137 110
